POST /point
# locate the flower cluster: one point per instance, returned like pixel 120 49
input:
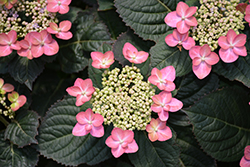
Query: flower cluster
pixel 26 26
pixel 126 101
pixel 13 97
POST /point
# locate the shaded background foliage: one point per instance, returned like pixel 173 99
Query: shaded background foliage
pixel 211 130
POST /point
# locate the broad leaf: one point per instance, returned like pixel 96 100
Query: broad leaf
pixel 57 142
pixel 163 55
pixel 4 62
pixel 160 154
pixel 105 4
pixel 146 17
pixel 178 118
pixel 238 70
pixel 12 156
pixel 25 71
pixel 221 125
pixel 22 130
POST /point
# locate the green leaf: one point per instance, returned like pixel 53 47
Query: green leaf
pixel 71 15
pixel 220 123
pixel 238 70
pixel 105 4
pixel 12 156
pixel 160 154
pixel 191 154
pixel 163 55
pixel 22 130
pixel 192 3
pixel 178 118
pixel 146 17
pixel 138 43
pixel 4 62
pixel 25 71
pixel 57 142
pixel 192 89
pixel 88 36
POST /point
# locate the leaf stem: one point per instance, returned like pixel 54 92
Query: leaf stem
pixel 6 123
pixel 164 6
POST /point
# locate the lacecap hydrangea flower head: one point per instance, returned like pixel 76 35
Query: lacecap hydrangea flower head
pixel 26 26
pixel 126 101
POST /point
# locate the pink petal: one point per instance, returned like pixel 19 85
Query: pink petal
pixel 190 11
pixel 158 99
pixel 8 5
pixel 205 50
pixel 65 25
pixel 35 38
pixel 171 41
pixel 188 44
pixel 153 136
pixel 46 37
pixel 66 2
pixel 182 27
pixel 110 142
pixel 231 34
pixel 247 17
pixel 141 57
pixel 239 40
pixel 181 37
pixel 244 162
pixel 212 59
pixel 163 115
pixel 63 9
pixel 128 136
pixel 81 118
pixel 53 7
pixel 89 114
pixel 97 131
pixel 51 48
pixel 117 152
pixel 165 96
pixel 37 50
pixel 25 53
pixel 195 52
pixel 21 100
pixel 241 7
pixel 247 152
pixel 97 58
pixel 228 55
pixel 175 105
pixel 222 41
pixel 25 44
pixel 191 21
pixel 132 147
pixel 12 36
pixel 164 134
pixel 172 19
pixel 7 87
pixel 15 46
pixel 149 127
pixel 168 86
pixel 129 47
pixel 98 120
pixel 240 50
pixel 156 108
pixel 5 50
pixel 1 82
pixel 64 35
pixel 4 39
pixel 53 28
pixel 196 61
pixel 117 134
pixel 79 130
pixel 80 99
pixel 168 73
pixel 202 70
pixel 74 90
pixel 248 9
pixel 181 9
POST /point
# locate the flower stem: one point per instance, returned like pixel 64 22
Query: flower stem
pixel 169 10
pixel 6 123
pixel 133 64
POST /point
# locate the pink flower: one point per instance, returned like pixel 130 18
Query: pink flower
pixel 163 78
pixel 8 43
pixel 164 103
pixel 5 87
pixel 82 89
pixel 132 54
pixel 241 7
pixel 232 45
pixel 245 160
pixel 16 100
pixel 157 130
pixel 43 43
pixel 88 122
pixel 26 45
pixel 8 3
pixel 180 39
pixel 247 16
pixel 203 59
pixel 182 18
pixel 101 60
pixel 61 6
pixel 63 31
pixel 121 141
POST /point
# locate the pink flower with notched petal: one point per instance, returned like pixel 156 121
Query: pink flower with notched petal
pixel 101 60
pixel 16 100
pixel 245 160
pixel 157 130
pixel 247 16
pixel 132 54
pixel 82 90
pixel 88 122
pixel 121 141
pixel 61 6
pixel 180 39
pixel 232 45
pixel 203 59
pixel 241 7
pixel 163 78
pixel 5 87
pixel 8 43
pixel 164 103
pixel 182 18
pixel 8 3
pixel 26 45
pixel 43 43
pixel 61 32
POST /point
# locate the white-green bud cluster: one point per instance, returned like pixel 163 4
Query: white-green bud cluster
pixel 125 99
pixel 215 18
pixel 5 109
pixel 26 16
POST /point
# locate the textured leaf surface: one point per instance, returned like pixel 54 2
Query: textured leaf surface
pixel 12 156
pixel 221 123
pixel 146 17
pixel 163 55
pixel 238 70
pixel 88 36
pixel 105 4
pixel 23 129
pixel 4 62
pixel 191 89
pixel 57 142
pixel 25 71
pixel 160 154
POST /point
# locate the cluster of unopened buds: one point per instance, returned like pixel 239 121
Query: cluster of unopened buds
pixel 125 101
pixel 15 101
pixel 232 45
pixel 33 39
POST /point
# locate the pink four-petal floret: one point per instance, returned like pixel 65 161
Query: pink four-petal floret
pixel 26 45
pixel 245 160
pixel 8 43
pixel 132 54
pixel 61 6
pixel 88 122
pixel 5 87
pixel 8 3
pixel 16 100
pixel 61 32
pixel 101 60
pixel 121 141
